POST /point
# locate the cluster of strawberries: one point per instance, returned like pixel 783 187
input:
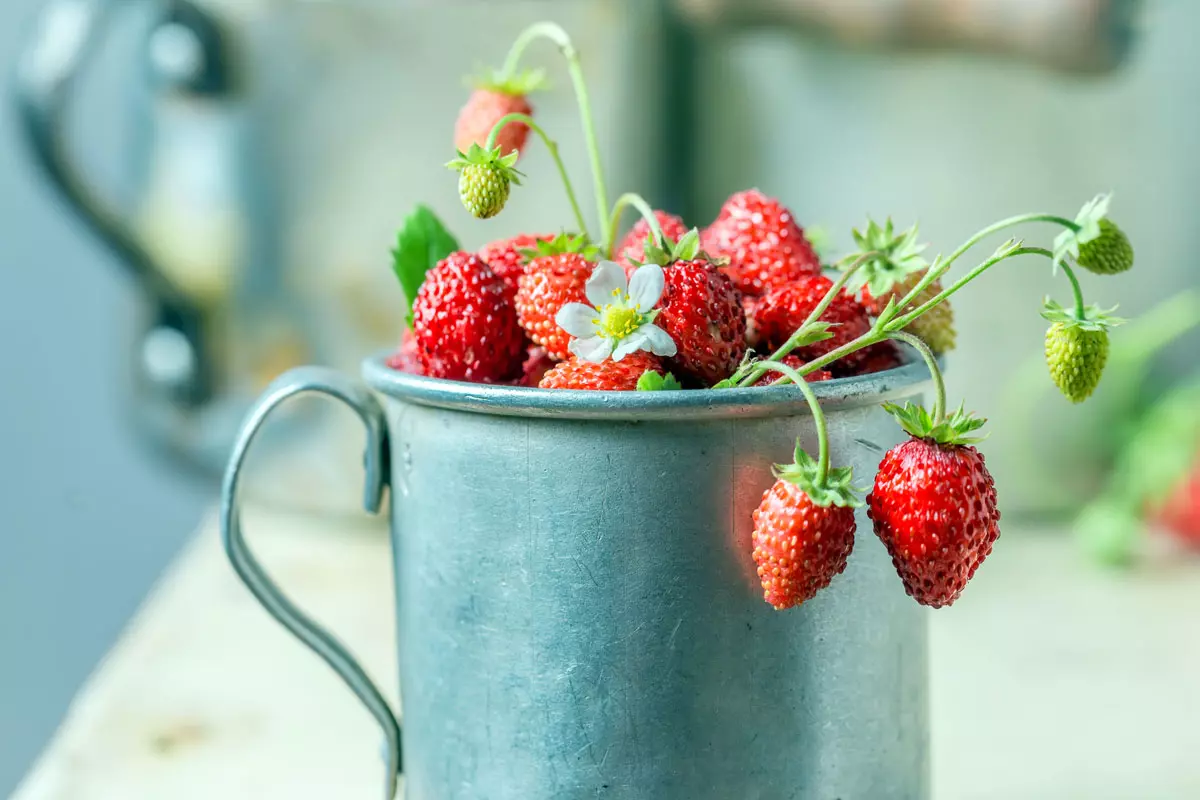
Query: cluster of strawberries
pixel 747 282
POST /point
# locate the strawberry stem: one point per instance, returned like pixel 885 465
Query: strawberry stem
pixel 939 383
pixel 1080 313
pixel 555 33
pixel 818 415
pixel 996 227
pixel 638 202
pixel 552 146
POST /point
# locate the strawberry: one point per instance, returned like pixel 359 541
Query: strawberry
pixel 765 247
pixel 779 314
pixel 700 309
pixel 934 505
pixel 506 258
pixel 803 531
pixel 405 359
pixel 795 362
pixel 1095 241
pixel 485 179
pixel 537 364
pixel 495 97
pixel 606 376
pixel 1077 348
pixel 632 250
pixel 464 325
pixel 878 358
pixel 935 327
pixel 1179 514
pixel 555 277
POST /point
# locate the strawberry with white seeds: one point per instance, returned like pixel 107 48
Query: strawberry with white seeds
pixel 765 246
pixel 934 504
pixel 495 97
pixel 464 325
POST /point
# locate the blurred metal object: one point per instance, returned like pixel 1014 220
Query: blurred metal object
pixel 577 607
pixel 1085 36
pixel 68 33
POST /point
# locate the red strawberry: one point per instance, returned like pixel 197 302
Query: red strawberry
pixel 780 314
pixel 934 505
pixel 632 250
pixel 497 96
pixel 1180 513
pixel 464 325
pixel 878 358
pixel 506 258
pixel 537 364
pixel 803 531
pixel 795 362
pixel 549 283
pixel 765 247
pixel 405 359
pixel 607 376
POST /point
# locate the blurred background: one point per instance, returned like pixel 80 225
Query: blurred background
pixel 199 195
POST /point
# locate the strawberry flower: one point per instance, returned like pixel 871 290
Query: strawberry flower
pixel 620 319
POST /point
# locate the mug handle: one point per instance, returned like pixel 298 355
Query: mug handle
pixel 329 382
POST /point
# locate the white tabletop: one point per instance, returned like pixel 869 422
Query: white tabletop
pixel 1051 679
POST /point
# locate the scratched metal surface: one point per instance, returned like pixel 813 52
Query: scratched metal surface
pixel 579 616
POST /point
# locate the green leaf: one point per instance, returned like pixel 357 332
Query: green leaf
pixel 422 242
pixel 652 381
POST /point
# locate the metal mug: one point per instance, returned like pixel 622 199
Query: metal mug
pixel 577 607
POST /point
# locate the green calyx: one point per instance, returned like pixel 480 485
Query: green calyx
pixel 1094 318
pixel 836 490
pixel 1096 243
pixel 955 429
pixel 899 257
pixel 485 179
pixel 563 244
pixel 686 249
pixel 516 84
pixel 652 381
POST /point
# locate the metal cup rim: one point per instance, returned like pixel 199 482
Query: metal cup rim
pixel 514 401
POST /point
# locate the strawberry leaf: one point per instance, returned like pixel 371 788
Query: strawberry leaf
pixel 652 381
pixel 422 242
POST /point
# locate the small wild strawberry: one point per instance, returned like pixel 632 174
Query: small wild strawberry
pixel 765 247
pixel 507 257
pixel 803 530
pixel 1077 348
pixel 934 505
pixel 1096 242
pixel 495 97
pixel 604 376
pixel 464 325
pixel 485 180
pixel 556 275
pixel 778 315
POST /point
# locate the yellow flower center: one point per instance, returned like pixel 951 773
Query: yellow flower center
pixel 618 320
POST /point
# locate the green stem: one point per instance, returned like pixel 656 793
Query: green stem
pixel 623 202
pixel 1080 311
pixel 552 146
pixel 553 32
pixel 939 383
pixel 1011 222
pixel 818 417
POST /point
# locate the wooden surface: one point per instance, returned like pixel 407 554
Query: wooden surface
pixel 1050 680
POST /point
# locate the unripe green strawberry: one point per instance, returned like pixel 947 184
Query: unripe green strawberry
pixel 485 179
pixel 1108 254
pixel 1077 348
pixel 1076 359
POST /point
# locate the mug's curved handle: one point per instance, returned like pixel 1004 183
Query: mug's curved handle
pixel 69 31
pixel 328 382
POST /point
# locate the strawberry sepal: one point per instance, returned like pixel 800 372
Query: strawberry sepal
pixel 1094 317
pixel 515 85
pixel 900 256
pixel 563 244
pixel 955 429
pixel 836 489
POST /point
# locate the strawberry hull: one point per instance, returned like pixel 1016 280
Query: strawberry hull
pixel 578 609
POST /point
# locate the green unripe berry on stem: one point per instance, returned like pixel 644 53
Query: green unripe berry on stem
pixel 1077 348
pixel 1109 253
pixel 485 179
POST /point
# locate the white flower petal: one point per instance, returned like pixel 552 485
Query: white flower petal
pixel 630 344
pixel 577 319
pixel 594 348
pixel 607 283
pixel 658 341
pixel 646 287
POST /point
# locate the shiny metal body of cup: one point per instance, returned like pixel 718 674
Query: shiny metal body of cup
pixel 577 606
